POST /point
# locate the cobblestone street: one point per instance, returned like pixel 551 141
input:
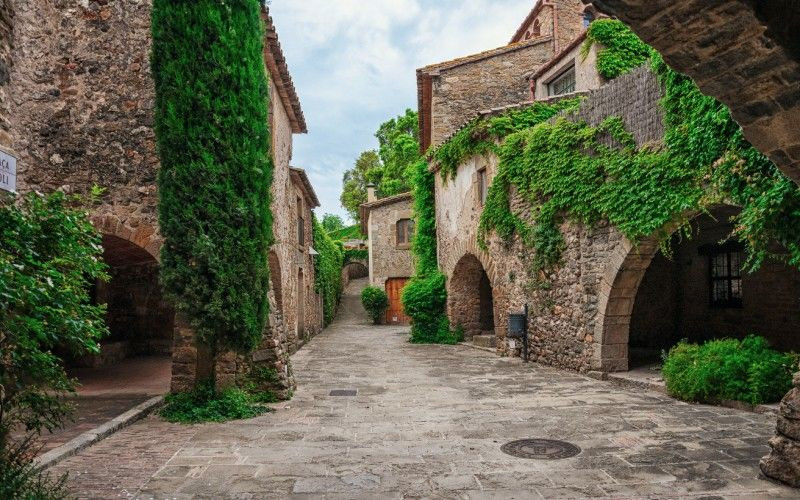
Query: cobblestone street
pixel 429 421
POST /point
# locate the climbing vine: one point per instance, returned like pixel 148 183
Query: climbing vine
pixel 568 170
pixel 425 296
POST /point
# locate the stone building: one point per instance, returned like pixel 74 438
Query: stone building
pixel 389 226
pixel 610 305
pixel 78 101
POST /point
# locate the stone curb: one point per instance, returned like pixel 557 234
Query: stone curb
pixel 652 386
pixel 99 433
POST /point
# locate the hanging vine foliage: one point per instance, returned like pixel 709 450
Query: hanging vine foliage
pixel 566 170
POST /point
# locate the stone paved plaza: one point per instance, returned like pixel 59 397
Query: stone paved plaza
pixel 428 421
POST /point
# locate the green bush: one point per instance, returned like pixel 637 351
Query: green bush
pixel 376 302
pixel 211 118
pixel 424 300
pixel 49 255
pixel 745 370
pixel 354 254
pixel 205 404
pixel 20 478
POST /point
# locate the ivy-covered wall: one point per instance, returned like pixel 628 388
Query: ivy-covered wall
pixel 570 195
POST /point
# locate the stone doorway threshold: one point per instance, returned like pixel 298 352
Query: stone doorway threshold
pixel 107 400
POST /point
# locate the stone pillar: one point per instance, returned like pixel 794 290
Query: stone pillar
pixel 783 463
pixel 190 363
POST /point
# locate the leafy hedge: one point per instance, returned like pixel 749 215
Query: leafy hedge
pixel 327 270
pixel 741 370
pixel 206 404
pixel 216 172
pixel 376 302
pixel 354 254
pixel 349 233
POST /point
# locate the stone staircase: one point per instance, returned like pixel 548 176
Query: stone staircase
pixel 485 339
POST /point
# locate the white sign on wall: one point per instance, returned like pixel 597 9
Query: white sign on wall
pixel 8 172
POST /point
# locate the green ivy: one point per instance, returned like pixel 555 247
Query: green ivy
pixel 216 172
pixel 327 270
pixel 620 49
pixel 566 170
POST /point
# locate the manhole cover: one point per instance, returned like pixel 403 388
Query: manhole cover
pixel 344 392
pixel 541 449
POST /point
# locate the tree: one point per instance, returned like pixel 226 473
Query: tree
pixel 399 149
pixel 211 118
pixel 49 256
pixel 388 168
pixel 332 222
pixel 354 190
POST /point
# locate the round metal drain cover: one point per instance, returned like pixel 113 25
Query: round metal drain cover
pixel 541 449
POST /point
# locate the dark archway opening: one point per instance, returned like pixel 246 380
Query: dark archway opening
pixel 356 270
pixel 702 292
pixel 470 298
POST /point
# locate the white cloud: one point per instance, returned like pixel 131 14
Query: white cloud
pixel 353 63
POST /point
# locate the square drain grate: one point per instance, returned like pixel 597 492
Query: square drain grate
pixel 344 392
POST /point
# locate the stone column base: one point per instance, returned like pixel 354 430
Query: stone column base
pixel 783 463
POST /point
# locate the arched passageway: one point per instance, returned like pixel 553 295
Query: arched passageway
pixel 700 292
pixel 470 300
pixel 356 270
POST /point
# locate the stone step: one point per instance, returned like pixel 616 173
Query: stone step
pixel 484 340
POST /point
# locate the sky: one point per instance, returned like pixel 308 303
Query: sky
pixel 353 63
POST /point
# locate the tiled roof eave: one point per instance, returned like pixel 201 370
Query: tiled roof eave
pixel 276 64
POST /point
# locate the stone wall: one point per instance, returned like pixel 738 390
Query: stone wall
pixel 462 89
pixel 6 41
pixel 567 316
pixel 83 104
pixel 387 259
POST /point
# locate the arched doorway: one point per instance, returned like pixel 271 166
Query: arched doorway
pixel 356 270
pixel 275 279
pixel 470 301
pixel 698 293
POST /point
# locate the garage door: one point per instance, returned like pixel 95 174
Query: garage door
pixel 394 289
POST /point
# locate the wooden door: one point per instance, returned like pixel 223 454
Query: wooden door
pixel 395 314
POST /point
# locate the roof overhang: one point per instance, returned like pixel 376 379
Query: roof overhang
pixel 300 177
pixel 279 70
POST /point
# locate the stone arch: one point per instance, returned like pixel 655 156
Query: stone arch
pixel 678 291
pixel 356 270
pixel 140 320
pixel 470 299
pixel 139 233
pixel 275 277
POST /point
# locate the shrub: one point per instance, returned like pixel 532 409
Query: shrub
pixel 21 478
pixel 424 300
pixel 215 176
pixel 745 370
pixel 205 404
pixel 376 302
pixel 49 254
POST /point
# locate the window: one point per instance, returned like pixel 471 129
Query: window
pixel 726 275
pixel 483 186
pixel 405 231
pixel 301 224
pixel 563 83
pixel 588 17
pixel 537 28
